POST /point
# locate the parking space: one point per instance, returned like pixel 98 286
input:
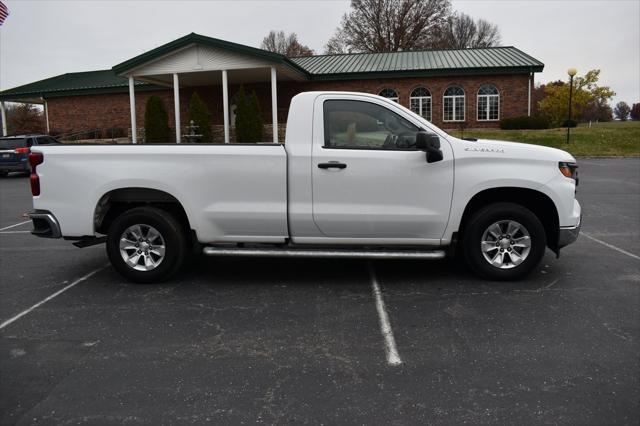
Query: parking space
pixel 302 341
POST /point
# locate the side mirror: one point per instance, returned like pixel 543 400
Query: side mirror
pixel 430 143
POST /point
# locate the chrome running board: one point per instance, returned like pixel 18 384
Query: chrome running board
pixel 323 253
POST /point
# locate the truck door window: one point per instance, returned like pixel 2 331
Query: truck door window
pixel 365 125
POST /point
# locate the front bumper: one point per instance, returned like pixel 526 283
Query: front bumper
pixel 567 235
pixel 45 224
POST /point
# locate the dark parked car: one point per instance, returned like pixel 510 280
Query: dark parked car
pixel 14 151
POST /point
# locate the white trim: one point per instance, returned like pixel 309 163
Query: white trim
pixel 488 97
pixel 4 119
pixel 529 95
pixel 274 104
pixel 421 100
pixel 132 109
pixel 225 105
pixel 176 106
pixel 455 110
pixel 395 98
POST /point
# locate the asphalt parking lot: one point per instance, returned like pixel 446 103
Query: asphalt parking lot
pixel 299 341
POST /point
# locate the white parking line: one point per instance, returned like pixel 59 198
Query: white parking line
pixel 15 232
pixel 57 293
pixel 385 326
pixel 611 246
pixel 14 225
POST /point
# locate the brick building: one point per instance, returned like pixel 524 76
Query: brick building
pixel 473 87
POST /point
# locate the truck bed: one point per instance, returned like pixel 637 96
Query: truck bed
pixel 226 191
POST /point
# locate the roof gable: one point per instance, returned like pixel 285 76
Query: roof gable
pixel 208 42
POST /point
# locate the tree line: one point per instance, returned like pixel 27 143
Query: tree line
pixel 372 26
pixel 589 101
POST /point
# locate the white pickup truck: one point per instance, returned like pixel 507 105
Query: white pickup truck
pixel 358 176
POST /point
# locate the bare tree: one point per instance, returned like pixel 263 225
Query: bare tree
pixel 389 25
pixel 289 46
pixel 25 118
pixel 460 31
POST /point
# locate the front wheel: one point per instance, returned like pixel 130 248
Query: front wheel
pixel 504 241
pixel 146 245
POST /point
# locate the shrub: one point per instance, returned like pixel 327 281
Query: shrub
pixel 248 117
pixel 524 122
pixel 201 117
pixel 156 121
pixel 569 123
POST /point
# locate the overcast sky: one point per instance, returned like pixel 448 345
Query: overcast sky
pixel 45 38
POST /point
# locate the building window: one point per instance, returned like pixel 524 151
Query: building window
pixel 453 104
pixel 420 102
pixel 488 103
pixel 389 93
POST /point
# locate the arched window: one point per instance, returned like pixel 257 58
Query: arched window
pixel 453 104
pixel 488 103
pixel 389 93
pixel 420 102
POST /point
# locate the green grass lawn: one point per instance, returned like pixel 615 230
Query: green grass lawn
pixel 599 140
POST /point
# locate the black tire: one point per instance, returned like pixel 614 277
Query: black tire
pixel 171 231
pixel 495 213
pixel 4 174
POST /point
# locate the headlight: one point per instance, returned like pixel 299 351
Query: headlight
pixel 569 170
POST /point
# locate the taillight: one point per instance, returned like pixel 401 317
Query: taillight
pixel 35 158
pixel 21 150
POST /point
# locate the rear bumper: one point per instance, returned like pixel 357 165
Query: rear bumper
pixel 14 167
pixel 45 224
pixel 568 234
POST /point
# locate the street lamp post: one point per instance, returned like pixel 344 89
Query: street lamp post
pixel 571 71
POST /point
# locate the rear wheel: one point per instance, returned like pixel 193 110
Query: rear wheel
pixel 504 241
pixel 146 245
pixel 4 174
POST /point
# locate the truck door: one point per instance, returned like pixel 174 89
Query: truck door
pixel 368 179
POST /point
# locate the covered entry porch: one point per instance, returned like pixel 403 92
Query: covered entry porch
pixel 196 61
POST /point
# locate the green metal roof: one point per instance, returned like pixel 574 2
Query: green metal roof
pixel 429 62
pixel 494 60
pixel 76 83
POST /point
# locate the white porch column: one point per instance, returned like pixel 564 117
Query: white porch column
pixel 46 114
pixel 132 107
pixel 176 105
pixel 4 119
pixel 274 104
pixel 529 95
pixel 225 105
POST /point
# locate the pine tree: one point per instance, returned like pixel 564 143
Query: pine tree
pixel 256 118
pixel 248 117
pixel 240 115
pixel 156 121
pixel 201 117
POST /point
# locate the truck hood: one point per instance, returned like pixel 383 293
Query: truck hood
pixel 517 149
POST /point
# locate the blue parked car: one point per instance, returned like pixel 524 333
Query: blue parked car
pixel 14 152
